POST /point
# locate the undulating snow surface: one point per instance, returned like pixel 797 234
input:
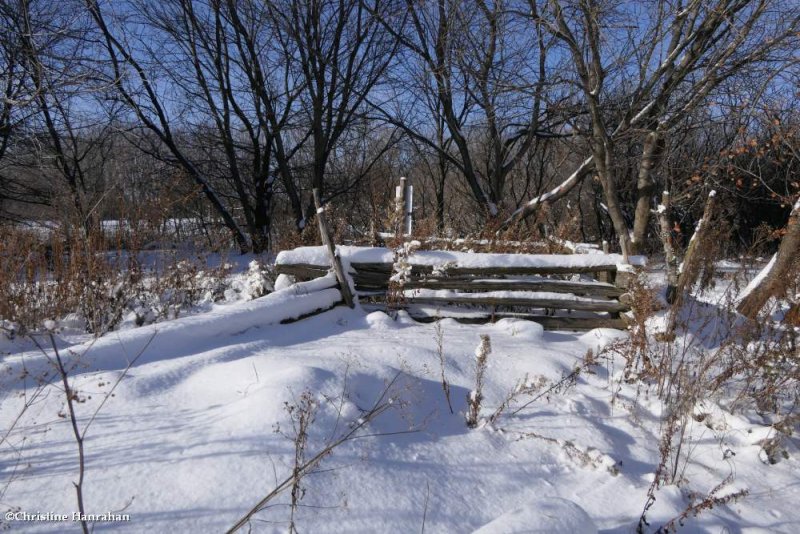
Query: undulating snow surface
pixel 188 442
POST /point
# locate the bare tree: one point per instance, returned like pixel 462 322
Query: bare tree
pixel 478 82
pixel 47 78
pixel 642 80
pixel 210 68
pixel 337 55
pixel 135 87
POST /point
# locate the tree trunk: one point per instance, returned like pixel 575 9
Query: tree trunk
pixel 262 218
pixel 645 187
pixel 602 158
pixel 773 279
pixel 690 268
pixel 670 260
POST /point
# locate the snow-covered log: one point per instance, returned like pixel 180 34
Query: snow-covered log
pixel 772 280
pixel 528 299
pixel 381 259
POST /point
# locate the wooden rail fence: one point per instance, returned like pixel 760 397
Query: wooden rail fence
pixel 551 289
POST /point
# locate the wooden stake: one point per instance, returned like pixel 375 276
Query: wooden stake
pixel 604 276
pixel 336 262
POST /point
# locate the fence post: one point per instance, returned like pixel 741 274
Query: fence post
pixel 605 276
pixel 336 262
pixel 409 207
pixel 399 206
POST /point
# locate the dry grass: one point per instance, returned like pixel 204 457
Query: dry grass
pixel 56 277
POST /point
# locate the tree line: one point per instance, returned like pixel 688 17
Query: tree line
pixel 499 111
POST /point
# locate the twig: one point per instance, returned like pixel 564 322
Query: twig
pixel 381 405
pixel 425 510
pixel 71 397
pixel 555 387
pixel 440 352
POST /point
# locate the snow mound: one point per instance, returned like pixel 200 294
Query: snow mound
pixel 550 515
pixel 380 321
pixel 520 329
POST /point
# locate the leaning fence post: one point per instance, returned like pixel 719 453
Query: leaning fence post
pixel 336 262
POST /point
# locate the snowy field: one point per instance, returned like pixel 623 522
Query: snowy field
pixel 197 431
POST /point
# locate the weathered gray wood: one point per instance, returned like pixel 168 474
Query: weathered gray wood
pixel 605 276
pixel 377 269
pixel 310 314
pixel 380 280
pixel 399 207
pixel 336 262
pixel 372 277
pixel 371 282
pixel 559 304
pixel 548 322
pixel 371 296
pixel 598 289
pixel 408 208
pixel 301 270
pixel 488 271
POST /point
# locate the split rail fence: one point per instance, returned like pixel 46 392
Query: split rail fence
pixel 559 291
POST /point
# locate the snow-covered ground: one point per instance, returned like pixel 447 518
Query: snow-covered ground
pixel 188 441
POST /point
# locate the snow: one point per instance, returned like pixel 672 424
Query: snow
pixel 567 184
pixel 188 442
pixel 283 281
pixel 546 515
pixel 506 295
pixel 644 111
pixel 577 248
pixel 758 278
pixel 319 256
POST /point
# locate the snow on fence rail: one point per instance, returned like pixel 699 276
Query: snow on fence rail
pixel 494 286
